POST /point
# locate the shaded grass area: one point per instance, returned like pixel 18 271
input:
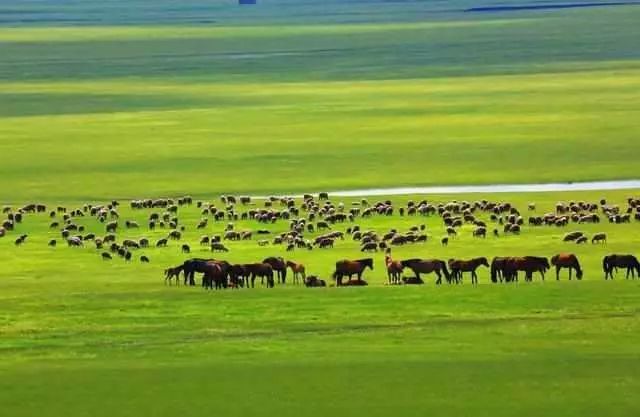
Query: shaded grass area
pixel 174 138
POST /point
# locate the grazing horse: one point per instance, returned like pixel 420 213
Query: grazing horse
pixel 239 276
pixel 566 260
pixel 191 266
pixel 298 271
pixel 262 270
pixel 497 269
pixel 611 262
pixel 214 275
pixel 350 268
pixel 527 264
pixel 459 266
pixel 279 266
pixel 427 266
pixel 394 270
pixel 170 273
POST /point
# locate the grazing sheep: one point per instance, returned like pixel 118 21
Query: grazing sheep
pixel 53 243
pixel 186 249
pixel 445 241
pixel 599 237
pixel 218 247
pixel 106 256
pixel 144 259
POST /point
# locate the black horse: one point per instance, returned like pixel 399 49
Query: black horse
pixel 611 262
pixel 191 266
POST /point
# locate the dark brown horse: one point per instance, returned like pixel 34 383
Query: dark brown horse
pixel 191 266
pixel 262 270
pixel 213 275
pixel 497 269
pixel 169 273
pixel 611 262
pixel 566 260
pixel 427 266
pixel 460 266
pixel 239 276
pixel 349 268
pixel 526 264
pixel 279 266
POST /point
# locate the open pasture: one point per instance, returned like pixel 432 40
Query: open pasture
pixel 430 96
pixel 83 333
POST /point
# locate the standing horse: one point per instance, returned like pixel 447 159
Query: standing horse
pixel 213 275
pixel 497 269
pixel 169 273
pixel 527 264
pixel 350 268
pixel 394 270
pixel 191 266
pixel 298 271
pixel 566 260
pixel 262 270
pixel 427 266
pixel 611 262
pixel 279 266
pixel 239 276
pixel 459 266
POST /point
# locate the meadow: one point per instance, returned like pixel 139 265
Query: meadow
pixel 80 333
pixel 134 99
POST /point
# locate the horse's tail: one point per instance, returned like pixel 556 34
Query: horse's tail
pixel 605 264
pixel 494 271
pixel 579 271
pixel 447 275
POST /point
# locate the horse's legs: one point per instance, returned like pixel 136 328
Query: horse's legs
pixel 570 272
pixel 557 273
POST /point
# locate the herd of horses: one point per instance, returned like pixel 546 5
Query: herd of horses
pixel 222 274
pixel 313 222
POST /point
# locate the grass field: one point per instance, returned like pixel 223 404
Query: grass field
pixel 79 334
pixel 135 99
pixel 452 98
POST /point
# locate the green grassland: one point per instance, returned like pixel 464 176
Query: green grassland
pixel 135 99
pixel 79 334
pixel 454 98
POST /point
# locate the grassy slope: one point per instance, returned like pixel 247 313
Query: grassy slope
pixel 107 111
pixel 116 336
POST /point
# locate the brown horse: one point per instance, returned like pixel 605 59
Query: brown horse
pixel 279 266
pixel 213 275
pixel 497 269
pixel 427 266
pixel 239 276
pixel 566 260
pixel 459 266
pixel 527 264
pixel 349 268
pixel 170 273
pixel 298 271
pixel 262 270
pixel 394 270
pixel 611 262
